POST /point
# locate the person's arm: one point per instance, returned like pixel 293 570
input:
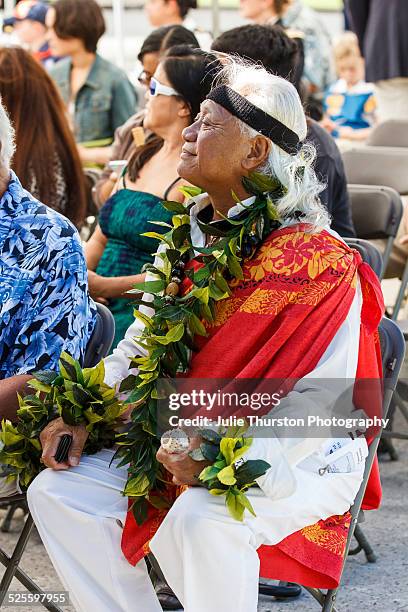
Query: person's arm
pixel 50 438
pixel 9 388
pixel 116 369
pixel 51 435
pixel 122 148
pixel 104 189
pixel 358 12
pixel 357 135
pixel 94 155
pixel 110 287
pixel 106 287
pixel 327 123
pixel 94 248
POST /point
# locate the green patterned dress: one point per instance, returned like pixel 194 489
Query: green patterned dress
pixel 122 219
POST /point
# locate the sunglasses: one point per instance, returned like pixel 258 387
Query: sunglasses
pixel 157 89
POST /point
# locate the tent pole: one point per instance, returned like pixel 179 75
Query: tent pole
pixel 215 10
pixel 118 10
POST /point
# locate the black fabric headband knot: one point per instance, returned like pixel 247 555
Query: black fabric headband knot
pixel 256 118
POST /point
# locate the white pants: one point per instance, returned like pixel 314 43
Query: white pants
pixel 208 558
pixel 392 99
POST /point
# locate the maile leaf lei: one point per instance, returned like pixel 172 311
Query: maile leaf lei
pixel 80 396
pixel 168 335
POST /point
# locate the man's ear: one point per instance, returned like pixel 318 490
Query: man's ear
pixel 173 4
pixel 260 147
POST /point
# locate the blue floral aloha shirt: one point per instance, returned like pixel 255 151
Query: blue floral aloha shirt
pixel 44 302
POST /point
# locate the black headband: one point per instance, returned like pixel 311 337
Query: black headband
pixel 256 118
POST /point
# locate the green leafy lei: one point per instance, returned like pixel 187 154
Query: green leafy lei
pixel 225 476
pixel 80 396
pixel 168 335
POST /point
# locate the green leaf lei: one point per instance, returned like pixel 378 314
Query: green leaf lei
pixel 168 335
pixel 79 396
pixel 225 476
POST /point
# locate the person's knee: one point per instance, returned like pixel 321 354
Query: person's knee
pixel 187 511
pixel 42 488
pixel 187 517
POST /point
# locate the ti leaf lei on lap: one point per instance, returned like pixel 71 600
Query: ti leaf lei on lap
pixel 168 339
pixel 79 396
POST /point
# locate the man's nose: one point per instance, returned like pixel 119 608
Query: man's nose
pixel 190 132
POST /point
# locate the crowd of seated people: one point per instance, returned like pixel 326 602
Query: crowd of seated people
pixel 86 98
pixel 85 110
pixel 93 100
pixel 89 496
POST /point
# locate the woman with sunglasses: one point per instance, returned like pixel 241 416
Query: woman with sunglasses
pixel 116 251
pixel 124 145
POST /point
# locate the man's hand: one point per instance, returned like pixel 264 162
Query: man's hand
pixel 50 438
pixel 184 469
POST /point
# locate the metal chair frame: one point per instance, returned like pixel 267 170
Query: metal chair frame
pixel 401 293
pixel 393 355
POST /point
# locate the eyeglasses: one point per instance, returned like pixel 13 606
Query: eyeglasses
pixel 157 89
pixel 144 78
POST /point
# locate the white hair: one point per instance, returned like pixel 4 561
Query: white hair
pixel 6 139
pixel 279 98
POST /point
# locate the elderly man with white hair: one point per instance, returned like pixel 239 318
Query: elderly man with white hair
pixel 303 309
pixel 44 302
